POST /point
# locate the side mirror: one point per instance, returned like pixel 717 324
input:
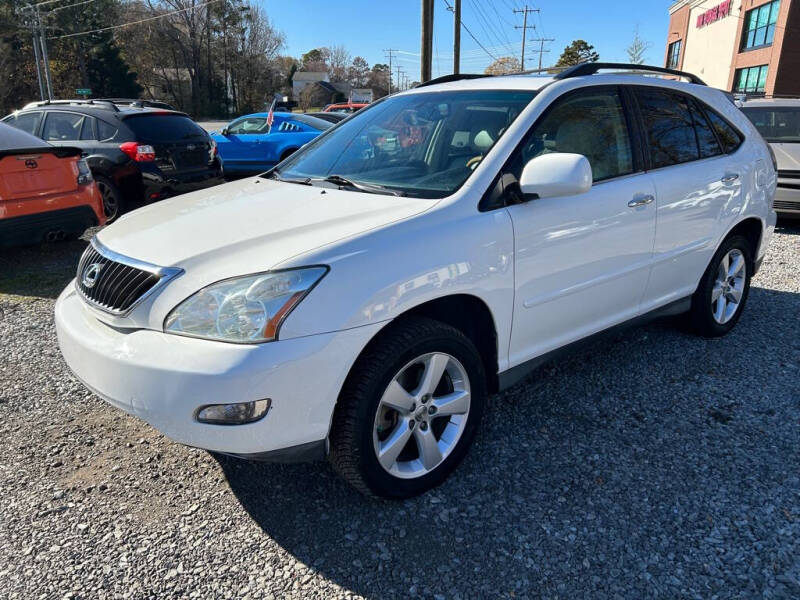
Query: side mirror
pixel 555 175
pixel 224 131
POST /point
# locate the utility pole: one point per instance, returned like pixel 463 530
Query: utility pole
pixel 426 51
pixel 398 78
pixel 541 49
pixel 43 42
pixel 456 36
pixel 525 27
pixel 390 52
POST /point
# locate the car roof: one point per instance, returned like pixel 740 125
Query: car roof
pixel 771 102
pixel 99 108
pixel 12 138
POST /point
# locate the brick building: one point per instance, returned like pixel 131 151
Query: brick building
pixel 743 46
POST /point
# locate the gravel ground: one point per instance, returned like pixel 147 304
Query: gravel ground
pixel 655 464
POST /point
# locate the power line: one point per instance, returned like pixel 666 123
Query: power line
pixel 167 14
pixel 58 8
pixel 464 25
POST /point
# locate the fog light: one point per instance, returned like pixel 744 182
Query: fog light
pixel 233 414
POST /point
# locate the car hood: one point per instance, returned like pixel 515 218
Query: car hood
pixel 788 156
pixel 249 226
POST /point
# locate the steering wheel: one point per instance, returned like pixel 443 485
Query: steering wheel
pixel 473 162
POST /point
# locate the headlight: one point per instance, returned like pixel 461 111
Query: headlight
pixel 246 309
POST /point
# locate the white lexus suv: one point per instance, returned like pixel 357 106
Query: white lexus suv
pixel 362 299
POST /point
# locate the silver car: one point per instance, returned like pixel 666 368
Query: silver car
pixel 778 120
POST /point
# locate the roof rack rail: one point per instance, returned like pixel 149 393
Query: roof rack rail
pixel 138 102
pixel 99 103
pixel 591 68
pixel 451 77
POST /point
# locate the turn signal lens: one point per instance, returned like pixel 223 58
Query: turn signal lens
pixel 234 414
pixel 138 152
pixel 84 173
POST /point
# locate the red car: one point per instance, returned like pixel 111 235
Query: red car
pixel 345 107
pixel 47 193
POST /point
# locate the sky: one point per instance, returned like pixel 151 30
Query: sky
pixel 367 28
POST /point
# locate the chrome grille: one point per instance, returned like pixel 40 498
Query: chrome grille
pixel 115 283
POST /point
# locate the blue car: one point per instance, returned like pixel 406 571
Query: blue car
pixel 247 146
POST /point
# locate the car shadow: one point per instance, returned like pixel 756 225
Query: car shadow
pixel 39 271
pixel 788 226
pixel 593 469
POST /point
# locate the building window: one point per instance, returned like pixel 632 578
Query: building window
pixel 752 80
pixel 674 55
pixel 759 25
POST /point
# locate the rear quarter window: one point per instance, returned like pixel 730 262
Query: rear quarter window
pixel 728 135
pixel 164 128
pixel 27 122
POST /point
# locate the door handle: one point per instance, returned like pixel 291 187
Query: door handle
pixel 730 178
pixel 641 201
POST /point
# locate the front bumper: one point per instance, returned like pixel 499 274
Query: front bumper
pixel 163 379
pixel 787 199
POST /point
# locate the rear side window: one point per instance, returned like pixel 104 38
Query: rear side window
pixel 28 122
pixel 706 138
pixel 729 137
pixel 669 128
pixel 105 131
pixel 62 126
pixel 164 128
pixel 87 132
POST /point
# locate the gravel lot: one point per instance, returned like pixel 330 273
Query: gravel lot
pixel 655 464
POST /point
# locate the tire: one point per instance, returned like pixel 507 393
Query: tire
pixel 732 290
pixel 287 154
pixel 393 368
pixel 113 203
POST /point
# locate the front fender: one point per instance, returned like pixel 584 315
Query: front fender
pixel 380 275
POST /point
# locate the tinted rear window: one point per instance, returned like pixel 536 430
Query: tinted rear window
pixel 164 128
pixel 669 127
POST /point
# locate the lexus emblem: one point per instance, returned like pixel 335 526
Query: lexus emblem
pixel 191 147
pixel 31 164
pixel 91 274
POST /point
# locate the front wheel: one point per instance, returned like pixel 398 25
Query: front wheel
pixel 720 298
pixel 409 410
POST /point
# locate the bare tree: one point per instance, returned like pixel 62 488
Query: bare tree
pixel 338 60
pixel 504 65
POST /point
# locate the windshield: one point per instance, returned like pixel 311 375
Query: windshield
pixel 779 124
pixel 424 145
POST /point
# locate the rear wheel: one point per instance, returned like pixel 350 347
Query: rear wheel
pixel 720 298
pixel 112 198
pixel 409 410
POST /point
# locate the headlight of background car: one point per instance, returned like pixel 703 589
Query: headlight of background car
pixel 244 309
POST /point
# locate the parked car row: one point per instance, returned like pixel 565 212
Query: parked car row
pixel 136 151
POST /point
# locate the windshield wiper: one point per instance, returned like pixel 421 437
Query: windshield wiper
pixel 370 188
pixel 300 181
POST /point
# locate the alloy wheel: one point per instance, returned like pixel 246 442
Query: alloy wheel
pixel 421 416
pixel 110 204
pixel 726 295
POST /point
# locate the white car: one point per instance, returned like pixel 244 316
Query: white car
pixel 362 299
pixel 778 120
